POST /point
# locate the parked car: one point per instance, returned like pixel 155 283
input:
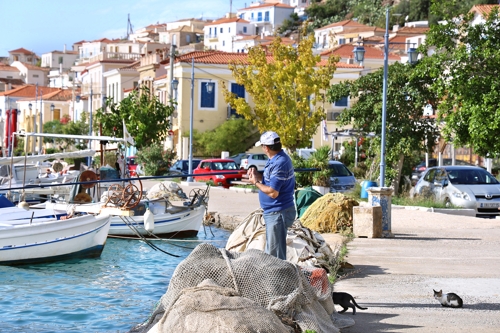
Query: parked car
pixel 462 186
pixel 215 170
pixel 181 167
pixel 237 158
pixel 131 165
pixel 420 168
pixel 257 161
pixel 341 178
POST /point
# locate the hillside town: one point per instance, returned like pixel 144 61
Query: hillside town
pixel 79 77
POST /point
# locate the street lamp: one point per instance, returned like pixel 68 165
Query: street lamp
pixel 210 88
pixel 412 58
pixel 52 110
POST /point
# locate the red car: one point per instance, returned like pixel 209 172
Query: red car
pixel 214 168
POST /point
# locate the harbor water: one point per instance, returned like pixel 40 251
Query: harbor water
pixel 109 294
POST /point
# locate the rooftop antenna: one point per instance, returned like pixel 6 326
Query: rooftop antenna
pixel 231 8
pixel 130 29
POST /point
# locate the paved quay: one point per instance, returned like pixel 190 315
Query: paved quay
pixel 395 277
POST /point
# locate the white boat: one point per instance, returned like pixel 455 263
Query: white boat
pixel 47 239
pixel 168 220
pixel 174 222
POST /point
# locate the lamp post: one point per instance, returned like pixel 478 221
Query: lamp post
pixel 210 87
pixel 359 52
pixel 174 84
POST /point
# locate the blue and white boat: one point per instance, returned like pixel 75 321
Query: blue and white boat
pixel 48 239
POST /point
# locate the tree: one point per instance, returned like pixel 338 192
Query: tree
pixel 287 88
pixel 449 9
pixel 406 128
pixel 235 135
pixel 65 126
pixel 465 73
pixel 145 116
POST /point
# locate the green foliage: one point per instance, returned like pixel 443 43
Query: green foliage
pixel 146 118
pixel 157 161
pixel 448 9
pixel 317 160
pixel 79 127
pixel 465 75
pixel 291 24
pixel 406 129
pixel 283 89
pixel 234 135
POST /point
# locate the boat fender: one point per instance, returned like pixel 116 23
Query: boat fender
pixel 149 220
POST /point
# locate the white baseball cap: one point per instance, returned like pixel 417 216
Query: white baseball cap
pixel 268 138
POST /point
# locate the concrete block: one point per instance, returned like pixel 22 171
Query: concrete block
pixel 367 221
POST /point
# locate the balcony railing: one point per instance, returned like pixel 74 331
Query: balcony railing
pixel 109 56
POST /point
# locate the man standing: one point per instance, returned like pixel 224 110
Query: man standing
pixel 276 193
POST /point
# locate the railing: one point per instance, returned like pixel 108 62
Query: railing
pixel 109 56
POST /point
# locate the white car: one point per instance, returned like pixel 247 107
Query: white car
pixel 256 161
pixel 462 186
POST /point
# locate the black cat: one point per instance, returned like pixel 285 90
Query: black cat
pixel 344 300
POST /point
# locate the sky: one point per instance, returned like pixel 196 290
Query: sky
pixel 43 26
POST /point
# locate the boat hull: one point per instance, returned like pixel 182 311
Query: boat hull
pixel 49 240
pixel 185 223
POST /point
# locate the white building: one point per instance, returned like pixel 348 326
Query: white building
pixel 31 74
pixel 266 17
pixel 222 33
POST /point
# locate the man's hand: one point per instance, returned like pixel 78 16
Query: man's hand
pixel 253 176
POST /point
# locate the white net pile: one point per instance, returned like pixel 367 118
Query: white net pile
pixel 215 290
pixel 305 247
pixel 166 190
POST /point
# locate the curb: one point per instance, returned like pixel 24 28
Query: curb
pixel 449 211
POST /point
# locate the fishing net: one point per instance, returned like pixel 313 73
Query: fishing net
pixel 330 213
pixel 215 290
pixel 166 190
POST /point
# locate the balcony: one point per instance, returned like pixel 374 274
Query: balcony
pixel 109 56
pixel 212 38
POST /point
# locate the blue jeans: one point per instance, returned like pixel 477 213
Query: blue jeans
pixel 276 225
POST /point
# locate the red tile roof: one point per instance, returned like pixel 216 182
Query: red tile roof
pixel 227 20
pixel 412 31
pixel 28 90
pixel 280 5
pixel 22 50
pixel 225 58
pixel 345 51
pixel 8 68
pixel 33 67
pixel 483 10
pixel 345 24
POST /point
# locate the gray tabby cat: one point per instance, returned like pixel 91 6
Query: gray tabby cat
pixel 450 300
pixel 344 300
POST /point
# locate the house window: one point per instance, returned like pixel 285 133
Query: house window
pixel 341 41
pixel 251 17
pixel 229 29
pixel 207 100
pixel 266 17
pixel 60 60
pixel 188 39
pixel 223 43
pixel 35 75
pixel 239 90
pixel 259 16
pixel 245 30
pixel 342 102
pixel 220 30
pixel 209 31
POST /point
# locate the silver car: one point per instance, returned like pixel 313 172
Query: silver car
pixel 341 178
pixel 462 186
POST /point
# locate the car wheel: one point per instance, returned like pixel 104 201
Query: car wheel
pixel 447 203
